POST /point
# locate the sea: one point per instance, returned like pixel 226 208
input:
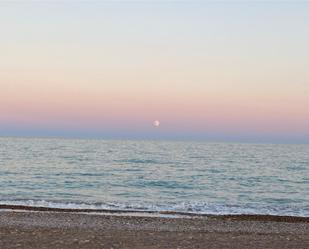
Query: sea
pixel 156 176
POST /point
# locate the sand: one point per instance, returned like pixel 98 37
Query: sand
pixel 49 229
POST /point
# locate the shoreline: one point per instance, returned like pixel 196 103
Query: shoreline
pixel 244 217
pixel 68 230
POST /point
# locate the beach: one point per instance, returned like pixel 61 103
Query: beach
pixel 77 193
pixel 153 124
pixel 58 229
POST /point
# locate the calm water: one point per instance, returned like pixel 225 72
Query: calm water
pixel 197 177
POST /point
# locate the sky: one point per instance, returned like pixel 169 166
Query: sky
pixel 207 70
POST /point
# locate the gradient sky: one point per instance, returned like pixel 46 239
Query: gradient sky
pixel 226 71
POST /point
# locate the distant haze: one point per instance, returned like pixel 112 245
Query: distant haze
pixel 206 69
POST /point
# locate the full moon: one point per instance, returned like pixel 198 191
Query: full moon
pixel 156 123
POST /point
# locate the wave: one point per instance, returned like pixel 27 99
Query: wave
pixel 192 208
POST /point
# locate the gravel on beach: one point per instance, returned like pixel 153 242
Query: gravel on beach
pixel 51 230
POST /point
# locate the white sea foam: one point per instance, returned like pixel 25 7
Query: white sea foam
pixel 185 208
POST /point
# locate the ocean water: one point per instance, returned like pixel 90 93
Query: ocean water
pixel 196 177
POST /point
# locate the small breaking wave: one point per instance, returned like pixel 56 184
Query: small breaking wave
pixel 193 208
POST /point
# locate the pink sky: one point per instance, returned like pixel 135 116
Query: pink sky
pixel 209 69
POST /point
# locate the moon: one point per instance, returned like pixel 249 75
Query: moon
pixel 156 123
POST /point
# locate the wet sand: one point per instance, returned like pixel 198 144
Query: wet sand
pixel 49 229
